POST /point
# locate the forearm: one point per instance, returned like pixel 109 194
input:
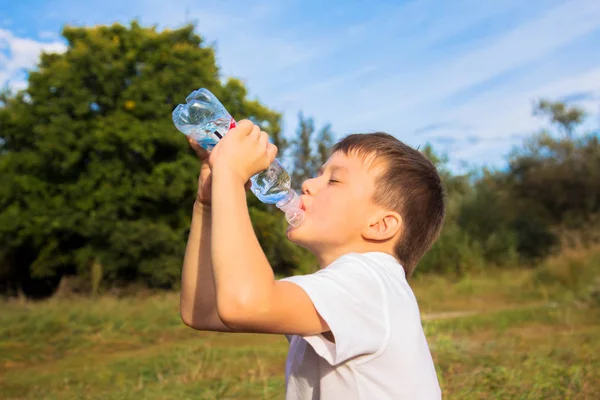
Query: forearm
pixel 242 272
pixel 198 298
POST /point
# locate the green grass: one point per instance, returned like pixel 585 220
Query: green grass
pixel 129 348
pixel 544 352
pixel 533 335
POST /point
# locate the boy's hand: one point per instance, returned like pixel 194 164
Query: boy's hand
pixel 205 179
pixel 243 152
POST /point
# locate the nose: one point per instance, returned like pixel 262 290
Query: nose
pixel 309 187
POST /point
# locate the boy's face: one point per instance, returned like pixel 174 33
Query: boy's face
pixel 337 205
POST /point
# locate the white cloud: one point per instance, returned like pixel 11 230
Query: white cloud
pixel 49 35
pixel 379 100
pixel 21 54
pixel 325 85
pixel 385 70
pixel 499 117
pixel 501 121
pixel 247 47
pixel 512 114
pixel 523 44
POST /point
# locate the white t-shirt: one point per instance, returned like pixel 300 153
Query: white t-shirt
pixel 380 351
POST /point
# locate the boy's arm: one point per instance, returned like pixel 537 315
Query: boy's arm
pixel 249 299
pixel 198 299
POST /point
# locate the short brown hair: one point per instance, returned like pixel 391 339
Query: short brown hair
pixel 408 184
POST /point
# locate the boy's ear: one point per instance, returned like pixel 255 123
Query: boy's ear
pixel 383 226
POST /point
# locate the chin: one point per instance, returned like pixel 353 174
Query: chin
pixel 301 236
pixel 295 235
pixel 291 233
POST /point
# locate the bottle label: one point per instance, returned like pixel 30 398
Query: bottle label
pixel 232 124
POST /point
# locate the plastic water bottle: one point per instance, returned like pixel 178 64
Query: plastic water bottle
pixel 204 119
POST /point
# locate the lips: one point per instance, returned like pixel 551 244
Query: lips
pixel 301 206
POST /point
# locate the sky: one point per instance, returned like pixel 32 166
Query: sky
pixel 461 74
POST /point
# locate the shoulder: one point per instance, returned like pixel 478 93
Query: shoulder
pixel 351 267
pixel 378 264
pixel 356 272
pixel 350 273
pixel 387 272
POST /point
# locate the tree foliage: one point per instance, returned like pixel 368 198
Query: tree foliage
pixel 521 214
pixel 565 116
pixel 309 151
pixel 92 168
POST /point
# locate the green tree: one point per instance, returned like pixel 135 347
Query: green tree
pixel 302 147
pixel 561 174
pixel 455 252
pixel 549 187
pixel 559 178
pixel 486 215
pixel 309 151
pixel 93 171
pixel 324 144
pixel 560 113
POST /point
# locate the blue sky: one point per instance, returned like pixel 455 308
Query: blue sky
pixel 459 74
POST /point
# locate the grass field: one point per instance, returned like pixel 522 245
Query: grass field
pixel 525 335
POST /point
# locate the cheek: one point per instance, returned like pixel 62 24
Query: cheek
pixel 331 216
pixel 323 220
pixel 328 210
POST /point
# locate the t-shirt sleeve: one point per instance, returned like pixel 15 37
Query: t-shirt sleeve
pixel 351 299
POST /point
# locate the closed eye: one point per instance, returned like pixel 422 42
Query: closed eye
pixel 333 181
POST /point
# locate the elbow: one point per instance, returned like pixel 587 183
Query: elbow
pixel 239 314
pixel 229 315
pixel 187 317
pixel 236 315
pixel 187 320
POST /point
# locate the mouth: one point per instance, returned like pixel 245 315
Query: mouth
pixel 301 205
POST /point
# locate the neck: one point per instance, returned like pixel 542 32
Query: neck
pixel 326 257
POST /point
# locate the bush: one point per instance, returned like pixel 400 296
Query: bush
pixel 577 271
pixel 453 253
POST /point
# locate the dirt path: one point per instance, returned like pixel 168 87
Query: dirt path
pixel 468 313
pixel 448 315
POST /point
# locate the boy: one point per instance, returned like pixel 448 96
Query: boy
pixel 354 326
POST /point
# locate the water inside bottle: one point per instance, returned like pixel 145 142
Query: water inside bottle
pixel 205 119
pixel 272 184
pixel 207 132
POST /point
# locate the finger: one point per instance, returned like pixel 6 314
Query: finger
pixel 244 127
pixel 272 151
pixel 255 134
pixel 263 140
pixel 193 143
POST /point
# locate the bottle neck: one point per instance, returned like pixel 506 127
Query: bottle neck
pixel 291 200
pixel 290 205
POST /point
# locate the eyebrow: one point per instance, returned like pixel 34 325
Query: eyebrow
pixel 333 168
